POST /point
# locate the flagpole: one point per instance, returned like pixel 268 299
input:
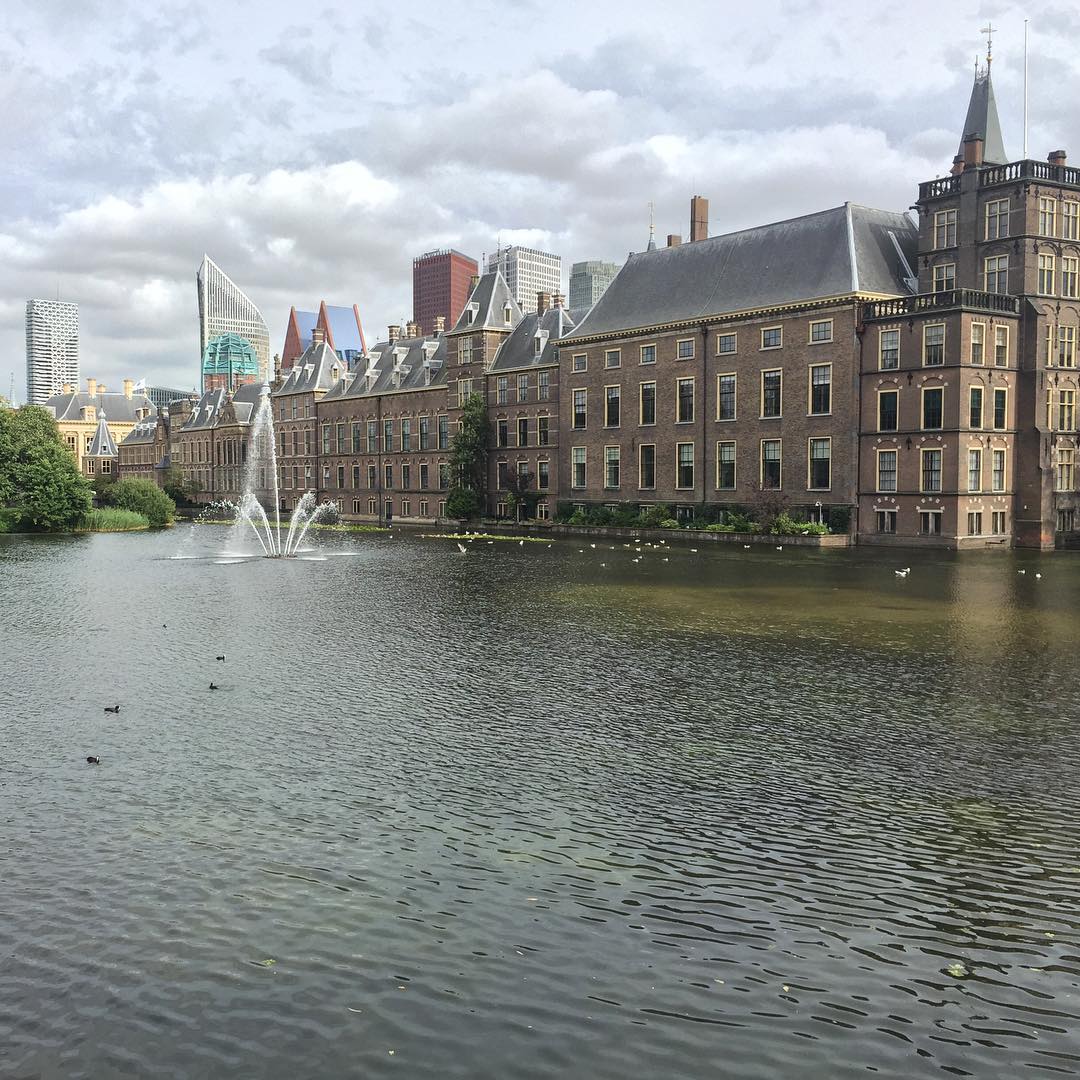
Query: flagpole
pixel 1025 89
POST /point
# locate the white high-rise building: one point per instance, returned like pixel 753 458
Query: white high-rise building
pixel 225 309
pixel 52 348
pixel 528 272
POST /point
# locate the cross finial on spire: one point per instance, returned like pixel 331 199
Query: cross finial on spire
pixel 652 230
pixel 988 30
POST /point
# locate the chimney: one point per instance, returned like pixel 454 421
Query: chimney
pixel 699 218
pixel 91 387
pixel 1057 157
pixel 101 388
pixel 473 282
pixel 440 325
pixel 412 330
pixel 318 335
pixel 957 165
pixel 557 300
pixel 973 150
pixel 543 302
pixel 66 388
pixel 277 367
pixel 392 333
pixel 673 239
pixel 128 388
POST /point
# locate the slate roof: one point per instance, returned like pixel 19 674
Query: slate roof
pixel 245 400
pixel 142 433
pixel 487 302
pixel 121 408
pixel 102 444
pixel 830 253
pixel 206 410
pixel 519 349
pixel 314 370
pixel 407 364
pixel 982 119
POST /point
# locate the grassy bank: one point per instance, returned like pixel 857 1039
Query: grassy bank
pixel 112 519
pixel 343 527
pixel 485 536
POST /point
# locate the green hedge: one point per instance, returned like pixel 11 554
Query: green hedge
pixel 112 519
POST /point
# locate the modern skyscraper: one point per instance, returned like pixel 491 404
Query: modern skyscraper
pixel 52 348
pixel 528 271
pixel 225 309
pixel 588 280
pixel 442 281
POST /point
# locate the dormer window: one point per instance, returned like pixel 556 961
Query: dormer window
pixel 538 345
pixel 334 373
pixel 471 309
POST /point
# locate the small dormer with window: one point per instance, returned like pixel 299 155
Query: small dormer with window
pixel 540 340
pixel 508 315
pixel 471 311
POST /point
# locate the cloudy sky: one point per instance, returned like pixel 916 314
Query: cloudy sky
pixel 312 152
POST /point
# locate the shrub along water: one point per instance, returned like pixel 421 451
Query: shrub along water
pixel 143 497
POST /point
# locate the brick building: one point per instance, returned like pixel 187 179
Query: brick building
pixel 711 369
pixel 144 453
pixel 442 281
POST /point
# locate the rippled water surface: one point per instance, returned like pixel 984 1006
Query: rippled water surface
pixel 537 812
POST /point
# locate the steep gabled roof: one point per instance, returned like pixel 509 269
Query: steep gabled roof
pixel 206 410
pixel 519 349
pixel 982 119
pixel 318 369
pixel 831 253
pixel 407 364
pixel 102 444
pixel 485 309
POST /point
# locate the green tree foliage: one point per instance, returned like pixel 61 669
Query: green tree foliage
pixel 176 487
pixel 40 486
pixel 142 497
pixel 462 503
pixel 469 449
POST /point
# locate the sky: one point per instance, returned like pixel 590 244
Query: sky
pixel 313 152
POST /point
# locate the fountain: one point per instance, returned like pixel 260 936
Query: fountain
pixel 250 511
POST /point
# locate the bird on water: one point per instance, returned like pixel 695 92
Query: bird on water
pixel 93 760
pixel 213 687
pixel 222 656
pixel 112 708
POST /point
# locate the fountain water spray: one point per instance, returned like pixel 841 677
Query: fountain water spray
pixel 260 489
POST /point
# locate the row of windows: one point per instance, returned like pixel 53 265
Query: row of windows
pixel 521 428
pixel 290 410
pixel 995 276
pixel 933 409
pixel 543 388
pixel 933 346
pixel 770 465
pixel 363 437
pixel 771 337
pixel 930 470
pixel 996 221
pixel 819 398
pixel 405 473
pixel 1061 409
pixel 930 522
pixel 542 476
pixel 1061 346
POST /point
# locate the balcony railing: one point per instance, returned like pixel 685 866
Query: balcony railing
pixel 1029 170
pixel 934 189
pixel 969 299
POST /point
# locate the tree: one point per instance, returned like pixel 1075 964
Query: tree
pixel 462 503
pixel 517 484
pixel 469 449
pixel 176 486
pixel 39 482
pixel 765 505
pixel 143 497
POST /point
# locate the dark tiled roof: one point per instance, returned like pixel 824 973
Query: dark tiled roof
pixel 120 408
pixel 102 444
pixel 314 370
pixel 982 119
pixel 519 349
pixel 487 305
pixel 142 433
pixel 831 253
pixel 407 364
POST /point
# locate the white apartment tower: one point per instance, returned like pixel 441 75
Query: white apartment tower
pixel 52 348
pixel 528 272
pixel 225 309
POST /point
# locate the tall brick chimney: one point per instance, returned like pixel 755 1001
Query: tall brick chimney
pixel 129 387
pixel 1056 157
pixel 673 239
pixel 440 325
pixel 973 150
pixel 318 335
pixel 412 330
pixel 543 302
pixel 558 300
pixel 699 218
pixel 392 333
pixel 957 165
pixel 91 387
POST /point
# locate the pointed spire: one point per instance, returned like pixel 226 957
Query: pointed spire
pixel 652 230
pixel 982 119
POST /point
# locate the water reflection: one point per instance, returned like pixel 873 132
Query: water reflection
pixel 516 813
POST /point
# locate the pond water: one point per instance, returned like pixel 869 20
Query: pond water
pixel 537 812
